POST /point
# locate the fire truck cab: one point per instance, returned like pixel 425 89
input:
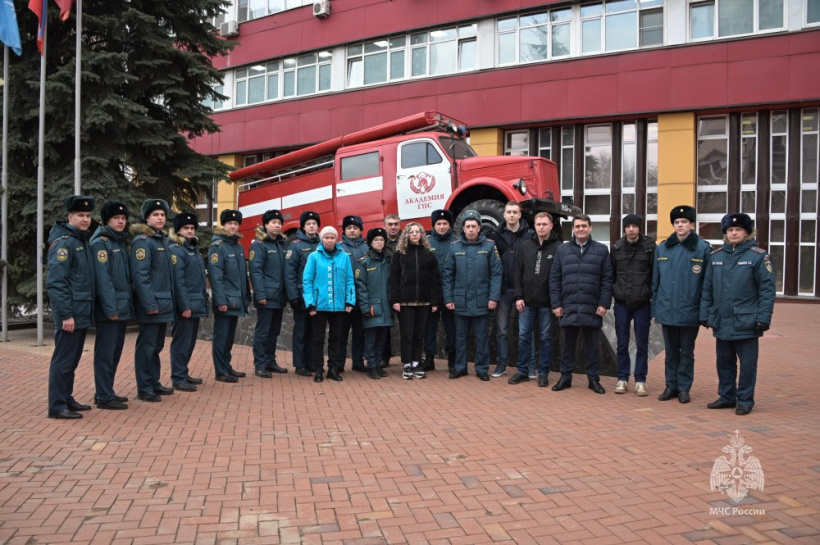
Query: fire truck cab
pixel 410 167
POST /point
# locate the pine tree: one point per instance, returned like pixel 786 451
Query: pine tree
pixel 146 72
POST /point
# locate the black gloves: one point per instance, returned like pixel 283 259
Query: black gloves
pixel 705 324
pixel 760 328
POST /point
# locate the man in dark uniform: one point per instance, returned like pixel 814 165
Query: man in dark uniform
pixel 441 237
pixel 231 291
pixel 737 303
pixel 306 241
pixel 191 297
pixel 113 305
pixel 354 245
pixel 153 278
pixel 266 263
pixel 70 286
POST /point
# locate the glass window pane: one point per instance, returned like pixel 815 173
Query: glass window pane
pixel 304 60
pixel 433 156
pixel 506 48
pixel 256 90
pixel 375 47
pixel 777 254
pixel 598 167
pixel 808 230
pixel 771 14
pixel 443 35
pixel 412 155
pixel 567 136
pixel 518 141
pixel 467 53
pixel 397 65
pixel 748 124
pixel 561 14
pixel 359 166
pixel 591 36
pixel 710 231
pixel 400 41
pixel 354 50
pixel 241 74
pixel 748 161
pixel 355 72
pixel 620 5
pixel 599 134
pixel 778 202
pixel 780 122
pixel 289 63
pixel 420 38
pixel 591 10
pixel 651 203
pixel 419 61
pixel 241 96
pixel 544 137
pixel 560 40
pixel 813 11
pixel 629 132
pixel 622 31
pixel 533 44
pixel 375 68
pixel 712 162
pixel 808 201
pixel 468 31
pixel 747 202
pixel 443 57
pixel 567 171
pixel 534 19
pixel 806 282
pixel 306 83
pixel 629 160
pixel 808 159
pixel 507 24
pixel 777 231
pixel 809 120
pixel 711 203
pixel 324 77
pixel 597 204
pixel 779 149
pixel 652 229
pixel 628 204
pixel 651 36
pixel 290 83
pixel 652 27
pixel 256 70
pixel 701 21
pixel 652 164
pixel 712 126
pixel 735 17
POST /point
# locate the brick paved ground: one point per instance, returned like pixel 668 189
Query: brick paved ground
pixel 433 461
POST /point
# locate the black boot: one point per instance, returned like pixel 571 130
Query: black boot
pixel 374 373
pixel 451 361
pixel 333 374
pixel 429 363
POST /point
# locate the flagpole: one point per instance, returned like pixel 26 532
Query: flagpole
pixel 4 205
pixel 77 109
pixel 41 181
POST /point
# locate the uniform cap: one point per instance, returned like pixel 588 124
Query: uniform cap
pixel 230 215
pixel 470 215
pixel 683 211
pixel 308 215
pixel 744 221
pixel 79 203
pixel 272 215
pixel 111 209
pixel 185 218
pixel 376 232
pixel 154 204
pixel 442 215
pixel 352 220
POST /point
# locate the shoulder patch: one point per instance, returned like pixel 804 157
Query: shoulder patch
pixel 716 251
pixel 62 254
pixel 102 256
pixel 250 255
pixel 214 257
pixel 174 259
pixel 140 254
pixel 758 250
pixel 104 238
pixel 358 272
pixel 288 254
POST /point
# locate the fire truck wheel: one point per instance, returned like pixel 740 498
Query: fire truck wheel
pixel 492 214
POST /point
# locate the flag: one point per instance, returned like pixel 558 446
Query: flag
pixel 41 11
pixel 65 8
pixel 9 31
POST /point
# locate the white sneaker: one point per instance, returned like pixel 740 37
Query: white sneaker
pixel 418 371
pixel 640 389
pixel 407 372
pixel 620 388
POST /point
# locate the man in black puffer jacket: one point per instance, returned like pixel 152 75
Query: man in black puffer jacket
pixel 632 258
pixel 580 294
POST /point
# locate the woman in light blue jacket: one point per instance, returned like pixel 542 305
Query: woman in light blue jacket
pixel 329 292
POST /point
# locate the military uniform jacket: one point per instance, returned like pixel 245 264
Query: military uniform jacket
pixel 356 249
pixel 677 280
pixel 295 261
pixel 266 263
pixel 738 291
pixel 440 246
pixel 112 275
pixel 371 273
pixel 472 276
pixel 152 275
pixel 189 275
pixel 229 274
pixel 70 280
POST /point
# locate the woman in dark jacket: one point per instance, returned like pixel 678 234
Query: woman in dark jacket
pixel 415 291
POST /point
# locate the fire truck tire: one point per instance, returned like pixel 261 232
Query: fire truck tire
pixel 492 214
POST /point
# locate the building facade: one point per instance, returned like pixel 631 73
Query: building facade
pixel 642 104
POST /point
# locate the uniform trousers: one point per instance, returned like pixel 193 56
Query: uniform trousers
pixel 679 342
pixel 183 341
pixel 481 332
pixel 107 351
pixel 431 336
pixel 731 388
pixel 375 338
pixel 268 327
pixel 222 343
pixel 150 342
pixel 302 339
pixel 68 348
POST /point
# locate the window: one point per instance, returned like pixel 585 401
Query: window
pixel 629 170
pixel 545 142
pixel 376 62
pixel 444 51
pixel 567 160
pixel 621 24
pixel 360 166
pixel 517 142
pixel 734 17
pixel 652 179
pixel 418 154
pixel 712 172
pixel 304 75
pixel 812 12
pixel 456 148
pixel 779 147
pixel 534 37
pixel 212 103
pixel 254 9
pixel 809 152
pixel 598 177
pixel 748 163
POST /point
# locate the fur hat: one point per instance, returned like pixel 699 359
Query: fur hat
pixel 442 215
pixel 272 215
pixel 352 220
pixel 79 203
pixel 111 209
pixel 736 220
pixel 328 229
pixel 633 219
pixel 376 232
pixel 683 211
pixel 153 204
pixel 230 215
pixel 304 217
pixel 185 218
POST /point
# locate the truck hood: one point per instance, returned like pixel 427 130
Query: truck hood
pixel 504 163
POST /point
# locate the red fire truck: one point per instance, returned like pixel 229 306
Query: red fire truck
pixel 409 167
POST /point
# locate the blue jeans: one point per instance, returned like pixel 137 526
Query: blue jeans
pixel 641 317
pixel 679 342
pixel 728 353
pixel 526 324
pixel 481 332
pixel 502 326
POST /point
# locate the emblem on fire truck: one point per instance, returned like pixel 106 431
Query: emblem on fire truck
pixel 422 183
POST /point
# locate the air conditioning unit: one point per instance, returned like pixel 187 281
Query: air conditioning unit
pixel 321 8
pixel 229 28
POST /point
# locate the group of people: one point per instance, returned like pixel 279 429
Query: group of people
pixel 357 287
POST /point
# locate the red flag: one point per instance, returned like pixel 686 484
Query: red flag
pixel 40 9
pixel 65 8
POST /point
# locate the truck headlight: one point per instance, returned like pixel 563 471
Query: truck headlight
pixel 521 186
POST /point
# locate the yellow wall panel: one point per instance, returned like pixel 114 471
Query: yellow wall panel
pixel 677 160
pixel 487 142
pixel 226 197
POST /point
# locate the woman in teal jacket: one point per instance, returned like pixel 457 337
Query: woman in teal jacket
pixel 329 292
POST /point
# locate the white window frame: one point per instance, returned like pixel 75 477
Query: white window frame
pixel 751 187
pixel 513 151
pixel 712 217
pixel 646 6
pixel 567 129
pixel 606 218
pixel 389 50
pixel 778 216
pixel 716 19
pixel 463 34
pixel 808 185
pixel 545 147
pixel 624 189
pixel 324 60
pixel 651 189
pixel 805 18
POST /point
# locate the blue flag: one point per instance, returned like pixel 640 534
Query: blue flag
pixel 9 31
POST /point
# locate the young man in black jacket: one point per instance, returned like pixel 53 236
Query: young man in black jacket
pixel 532 297
pixel 632 258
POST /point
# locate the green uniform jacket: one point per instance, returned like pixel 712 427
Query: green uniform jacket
pixel 738 291
pixel 229 274
pixel 152 275
pixel 472 276
pixel 112 275
pixel 677 280
pixel 189 275
pixel 372 272
pixel 70 280
pixel 266 264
